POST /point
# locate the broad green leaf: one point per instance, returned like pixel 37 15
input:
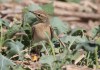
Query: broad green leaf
pixel 34 7
pixel 77 32
pixel 28 17
pixel 12 30
pixel 48 8
pixel 96 31
pixel 14 48
pixel 59 26
pixel 5 63
pixel 88 46
pixel 77 39
pixel 47 59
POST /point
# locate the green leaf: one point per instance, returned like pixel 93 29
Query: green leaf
pixel 11 31
pixel 78 32
pixel 77 39
pixel 88 46
pixel 18 67
pixel 4 22
pixel 47 59
pixel 59 26
pixel 95 31
pixel 62 56
pixel 34 7
pixel 48 8
pixel 14 48
pixel 5 63
pixel 28 17
pixel 26 26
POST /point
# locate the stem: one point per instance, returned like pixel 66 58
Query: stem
pixel 1 37
pixel 71 45
pixel 59 40
pixel 88 55
pixel 45 48
pixel 96 57
pixel 53 50
pixel 52 46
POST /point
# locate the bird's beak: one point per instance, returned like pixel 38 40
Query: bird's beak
pixel 32 12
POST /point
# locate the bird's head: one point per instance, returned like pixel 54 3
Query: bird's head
pixel 41 15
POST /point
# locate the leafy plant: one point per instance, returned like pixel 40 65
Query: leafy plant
pixel 14 48
pixel 73 46
pixel 5 63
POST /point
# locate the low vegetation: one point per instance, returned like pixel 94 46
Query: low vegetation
pixel 74 47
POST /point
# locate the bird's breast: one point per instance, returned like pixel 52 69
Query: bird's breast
pixel 40 32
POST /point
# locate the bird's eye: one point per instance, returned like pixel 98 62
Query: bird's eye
pixel 39 15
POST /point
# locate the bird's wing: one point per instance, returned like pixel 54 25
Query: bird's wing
pixel 52 32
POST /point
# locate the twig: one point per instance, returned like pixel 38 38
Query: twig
pixel 42 1
pixel 59 40
pixel 67 6
pixel 77 14
pixel 90 4
pixel 70 19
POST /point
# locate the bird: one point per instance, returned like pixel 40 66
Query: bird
pixel 41 27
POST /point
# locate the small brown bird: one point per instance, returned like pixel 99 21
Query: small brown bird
pixel 41 27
